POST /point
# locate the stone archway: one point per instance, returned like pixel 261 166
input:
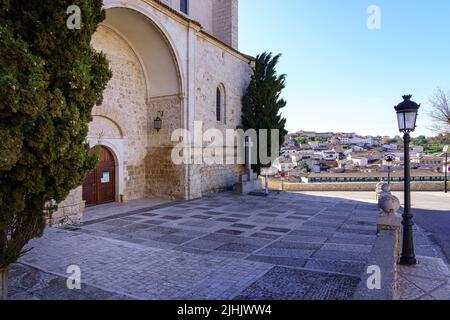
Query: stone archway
pixel 146 82
pixel 148 77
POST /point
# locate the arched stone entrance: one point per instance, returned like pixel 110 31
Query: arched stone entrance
pixel 99 186
pixel 146 82
pixel 163 64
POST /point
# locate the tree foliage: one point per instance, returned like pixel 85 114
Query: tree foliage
pixel 396 140
pixel 432 144
pixel 262 103
pixel 50 79
pixel 440 112
pixel 302 140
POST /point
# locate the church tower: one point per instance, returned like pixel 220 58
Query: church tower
pixel 225 21
pixel 218 17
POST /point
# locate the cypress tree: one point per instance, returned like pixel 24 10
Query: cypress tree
pixel 50 79
pixel 262 102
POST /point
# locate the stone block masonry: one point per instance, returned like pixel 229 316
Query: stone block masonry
pixel 225 22
pixel 294 186
pixel 124 106
pixel 218 17
pixel 164 62
pixel 164 179
pixel 69 211
pixel 216 67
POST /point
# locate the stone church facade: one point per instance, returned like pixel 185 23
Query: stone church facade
pixel 173 59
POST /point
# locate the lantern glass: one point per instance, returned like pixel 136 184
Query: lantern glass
pixel 407 120
pixel 158 123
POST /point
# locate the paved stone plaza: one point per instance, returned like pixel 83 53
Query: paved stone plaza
pixel 285 246
pixel 430 278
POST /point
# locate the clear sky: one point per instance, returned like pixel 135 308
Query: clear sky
pixel 342 76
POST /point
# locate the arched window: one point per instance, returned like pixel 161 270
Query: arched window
pixel 220 104
pixel 184 6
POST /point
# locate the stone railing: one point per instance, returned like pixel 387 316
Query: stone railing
pixel 386 250
pixel 275 184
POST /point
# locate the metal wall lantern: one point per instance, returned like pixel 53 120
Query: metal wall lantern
pixel 157 122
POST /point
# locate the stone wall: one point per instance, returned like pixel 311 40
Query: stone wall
pixel 164 179
pixel 202 11
pixel 225 21
pixel 125 101
pixel 199 10
pixel 169 109
pixel 215 67
pixel 217 17
pixel 70 211
pixel 103 127
pixel 142 85
pixel 218 67
pixel 415 186
pixel 215 178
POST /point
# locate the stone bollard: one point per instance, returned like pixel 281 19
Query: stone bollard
pixel 389 223
pixel 382 187
pixel 389 204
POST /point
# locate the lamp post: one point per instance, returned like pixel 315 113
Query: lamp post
pixel 389 158
pixel 446 167
pixel 407 115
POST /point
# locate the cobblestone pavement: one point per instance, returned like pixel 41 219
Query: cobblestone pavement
pixel 431 213
pixel 285 246
pixel 430 278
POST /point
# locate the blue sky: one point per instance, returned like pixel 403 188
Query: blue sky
pixel 343 76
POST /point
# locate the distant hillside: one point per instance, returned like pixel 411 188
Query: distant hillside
pixel 432 144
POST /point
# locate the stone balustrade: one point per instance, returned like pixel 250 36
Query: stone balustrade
pixel 276 184
pixel 385 253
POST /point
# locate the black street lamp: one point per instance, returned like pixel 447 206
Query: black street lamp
pixel 389 158
pixel 407 115
pixel 446 167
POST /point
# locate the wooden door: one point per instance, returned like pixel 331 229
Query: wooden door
pixel 100 185
pixel 90 189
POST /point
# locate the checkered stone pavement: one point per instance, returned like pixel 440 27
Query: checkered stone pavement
pixel 430 278
pixel 220 247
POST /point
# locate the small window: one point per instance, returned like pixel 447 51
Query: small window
pixel 218 105
pixel 184 6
